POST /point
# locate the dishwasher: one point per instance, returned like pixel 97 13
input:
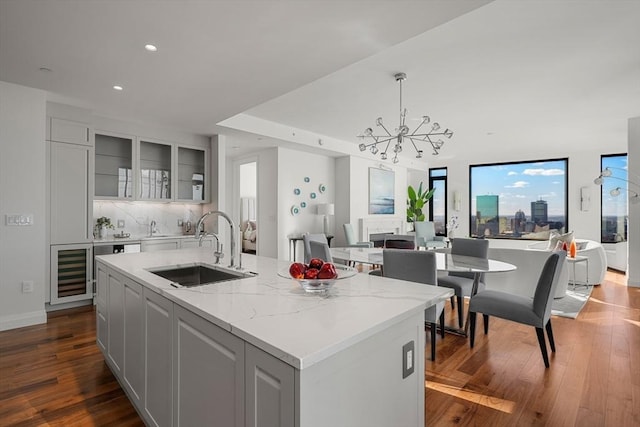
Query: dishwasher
pixel 113 248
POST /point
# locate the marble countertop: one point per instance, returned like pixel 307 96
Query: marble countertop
pixel 110 239
pixel 274 313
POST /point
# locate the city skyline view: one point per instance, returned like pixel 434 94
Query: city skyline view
pixel 514 199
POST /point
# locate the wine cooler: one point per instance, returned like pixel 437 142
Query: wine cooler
pixel 71 273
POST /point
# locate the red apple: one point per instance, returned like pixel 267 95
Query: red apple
pixel 297 269
pixel 311 273
pixel 316 263
pixel 327 271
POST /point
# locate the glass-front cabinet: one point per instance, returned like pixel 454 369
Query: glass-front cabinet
pixel 191 174
pixel 155 173
pixel 114 166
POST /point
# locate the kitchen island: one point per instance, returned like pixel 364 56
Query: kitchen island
pixel 259 350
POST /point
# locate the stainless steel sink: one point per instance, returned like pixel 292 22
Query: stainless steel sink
pixel 198 275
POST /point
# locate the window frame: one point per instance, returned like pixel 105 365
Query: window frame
pixel 532 162
pixel 626 231
pixel 442 178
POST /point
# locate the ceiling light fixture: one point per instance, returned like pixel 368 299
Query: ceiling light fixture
pixel 634 196
pixel 402 133
pixel 150 48
pixel 116 87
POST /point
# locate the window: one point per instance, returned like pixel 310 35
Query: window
pixel 614 208
pixel 438 203
pixel 518 200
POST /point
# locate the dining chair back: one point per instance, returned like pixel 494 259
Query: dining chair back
pixel 320 250
pixel 307 238
pixel 462 283
pixel 420 267
pixel 534 311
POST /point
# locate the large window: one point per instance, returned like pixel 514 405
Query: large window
pixel 438 204
pixel 614 208
pixel 518 200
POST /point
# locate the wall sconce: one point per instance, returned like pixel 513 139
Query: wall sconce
pixel 326 209
pixel 585 199
pixel 457 200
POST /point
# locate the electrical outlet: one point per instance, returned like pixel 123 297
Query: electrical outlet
pixel 408 359
pixel 27 286
pixel 180 223
pixel 121 223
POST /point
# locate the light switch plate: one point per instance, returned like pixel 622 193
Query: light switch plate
pixel 18 219
pixel 408 359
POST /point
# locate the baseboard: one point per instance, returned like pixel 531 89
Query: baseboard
pixel 66 305
pixel 21 320
pixel 633 284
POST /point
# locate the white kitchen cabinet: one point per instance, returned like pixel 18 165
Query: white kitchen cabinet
pixel 133 371
pixel 155 172
pixel 114 166
pixel 193 175
pixel 192 242
pixel 102 289
pixel 71 194
pixel 158 396
pixel 154 245
pixel 69 131
pixel 115 321
pixel 71 273
pixel 269 390
pixel 208 373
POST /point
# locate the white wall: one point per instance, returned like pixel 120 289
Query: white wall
pixel 22 191
pixel 353 189
pixel 294 166
pixel 633 270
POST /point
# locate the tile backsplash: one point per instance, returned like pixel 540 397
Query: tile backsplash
pixel 138 215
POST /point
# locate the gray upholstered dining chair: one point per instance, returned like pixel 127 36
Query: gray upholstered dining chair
pixel 320 250
pixel 462 283
pixel 417 266
pixel 306 238
pixel 535 312
pixel 426 235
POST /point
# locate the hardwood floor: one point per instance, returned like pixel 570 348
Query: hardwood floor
pixel 593 380
pixel 55 375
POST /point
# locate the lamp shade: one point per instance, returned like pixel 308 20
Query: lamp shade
pixel 326 209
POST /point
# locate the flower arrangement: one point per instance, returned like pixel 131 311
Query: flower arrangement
pixel 452 224
pixel 103 221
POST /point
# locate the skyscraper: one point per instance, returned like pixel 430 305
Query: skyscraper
pixel 487 215
pixel 539 212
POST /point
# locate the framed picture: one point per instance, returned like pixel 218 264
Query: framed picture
pixel 381 191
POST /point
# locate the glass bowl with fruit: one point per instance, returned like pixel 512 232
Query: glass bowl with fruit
pixel 318 275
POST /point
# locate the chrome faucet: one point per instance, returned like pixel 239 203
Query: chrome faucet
pixel 152 228
pixel 232 227
pixel 218 252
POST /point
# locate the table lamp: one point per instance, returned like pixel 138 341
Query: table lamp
pixel 326 209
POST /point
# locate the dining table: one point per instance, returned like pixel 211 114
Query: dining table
pixel 445 261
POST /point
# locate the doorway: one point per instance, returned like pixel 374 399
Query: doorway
pixel 248 187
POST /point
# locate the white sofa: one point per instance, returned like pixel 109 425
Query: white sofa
pixel 524 279
pixel 597 262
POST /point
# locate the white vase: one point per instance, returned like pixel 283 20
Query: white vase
pixel 102 232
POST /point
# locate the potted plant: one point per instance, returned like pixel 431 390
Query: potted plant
pixel 416 202
pixel 102 224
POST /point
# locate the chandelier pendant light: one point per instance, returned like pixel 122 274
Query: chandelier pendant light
pixel 394 141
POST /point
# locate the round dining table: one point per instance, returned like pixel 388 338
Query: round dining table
pixel 445 261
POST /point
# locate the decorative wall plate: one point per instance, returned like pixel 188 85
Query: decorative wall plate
pixel 307 179
pixel 296 191
pixel 313 195
pixel 295 210
pixel 322 188
pixel 303 204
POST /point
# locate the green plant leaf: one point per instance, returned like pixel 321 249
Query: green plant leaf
pixel 419 204
pixel 412 193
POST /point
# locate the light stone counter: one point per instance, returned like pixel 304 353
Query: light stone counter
pixel 275 314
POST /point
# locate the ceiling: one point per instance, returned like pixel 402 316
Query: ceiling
pixel 500 74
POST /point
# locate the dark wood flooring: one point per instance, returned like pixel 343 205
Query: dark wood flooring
pixel 55 375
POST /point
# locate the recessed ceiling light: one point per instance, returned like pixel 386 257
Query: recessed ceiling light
pixel 45 69
pixel 150 48
pixel 116 87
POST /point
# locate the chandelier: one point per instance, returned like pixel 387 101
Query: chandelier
pixel 402 134
pixel 634 196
